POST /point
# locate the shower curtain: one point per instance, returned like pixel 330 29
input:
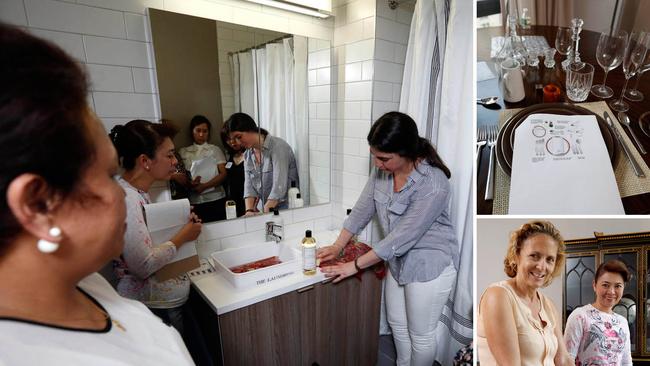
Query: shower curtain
pixel 270 84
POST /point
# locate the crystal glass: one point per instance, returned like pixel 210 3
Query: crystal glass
pixel 579 76
pixel 633 57
pixel 635 94
pixel 563 42
pixel 549 58
pixel 533 57
pixel 609 54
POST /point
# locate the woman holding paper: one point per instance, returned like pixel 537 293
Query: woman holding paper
pixel 146 152
pixel 207 164
pixel 269 164
pixel 61 219
pixel 517 324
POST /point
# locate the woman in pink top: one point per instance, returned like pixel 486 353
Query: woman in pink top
pixel 517 324
pixel 595 334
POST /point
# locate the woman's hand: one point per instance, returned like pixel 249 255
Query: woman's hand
pixel 329 252
pixel 339 271
pixel 251 213
pixel 199 188
pixel 188 232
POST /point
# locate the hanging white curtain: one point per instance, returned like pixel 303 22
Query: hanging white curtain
pixel 300 112
pixel 272 84
pixel 233 59
pixel 436 92
pixel 247 84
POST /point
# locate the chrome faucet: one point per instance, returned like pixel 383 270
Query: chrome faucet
pixel 273 232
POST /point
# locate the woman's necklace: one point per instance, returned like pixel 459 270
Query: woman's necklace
pixel 11 312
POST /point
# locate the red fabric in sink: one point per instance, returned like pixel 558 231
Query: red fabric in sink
pixel 353 250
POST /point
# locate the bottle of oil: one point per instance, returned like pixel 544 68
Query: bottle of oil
pixel 308 254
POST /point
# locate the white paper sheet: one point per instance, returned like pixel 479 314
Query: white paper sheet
pixel 205 168
pixel 165 219
pixel 560 166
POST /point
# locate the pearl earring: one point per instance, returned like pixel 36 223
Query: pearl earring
pixel 147 167
pixel 46 246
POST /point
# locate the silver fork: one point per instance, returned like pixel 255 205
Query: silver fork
pixel 491 142
pixel 481 140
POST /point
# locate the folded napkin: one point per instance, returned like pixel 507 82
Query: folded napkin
pixel 560 165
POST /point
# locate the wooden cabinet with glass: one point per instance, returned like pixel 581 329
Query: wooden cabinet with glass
pixel 583 258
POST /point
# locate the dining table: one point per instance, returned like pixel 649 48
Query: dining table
pixel 535 78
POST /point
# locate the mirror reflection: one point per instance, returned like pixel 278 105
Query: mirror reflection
pixel 244 100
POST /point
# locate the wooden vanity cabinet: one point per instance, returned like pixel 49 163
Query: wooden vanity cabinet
pixel 321 324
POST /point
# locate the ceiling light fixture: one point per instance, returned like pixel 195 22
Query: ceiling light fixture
pixel 294 8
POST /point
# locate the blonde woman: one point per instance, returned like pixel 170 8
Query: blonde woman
pixel 517 324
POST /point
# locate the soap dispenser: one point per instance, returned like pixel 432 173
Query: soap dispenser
pixel 291 194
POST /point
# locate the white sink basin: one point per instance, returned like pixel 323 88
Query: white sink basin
pixel 224 260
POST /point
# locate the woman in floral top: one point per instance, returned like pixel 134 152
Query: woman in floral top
pixel 595 334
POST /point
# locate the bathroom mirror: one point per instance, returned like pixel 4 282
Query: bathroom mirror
pixel 213 68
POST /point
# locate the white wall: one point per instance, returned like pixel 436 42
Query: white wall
pixel 111 38
pixel 492 235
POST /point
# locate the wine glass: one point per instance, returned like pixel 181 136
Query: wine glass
pixel 609 54
pixel 563 43
pixel 635 52
pixel 635 94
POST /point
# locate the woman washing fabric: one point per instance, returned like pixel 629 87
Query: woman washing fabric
pixel 269 164
pixel 409 193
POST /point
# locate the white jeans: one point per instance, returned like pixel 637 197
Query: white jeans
pixel 413 311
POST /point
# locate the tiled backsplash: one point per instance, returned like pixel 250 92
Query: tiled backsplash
pixel 245 231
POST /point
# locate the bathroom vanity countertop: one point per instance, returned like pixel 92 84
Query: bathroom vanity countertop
pixel 223 297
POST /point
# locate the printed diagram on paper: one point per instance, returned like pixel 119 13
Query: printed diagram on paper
pixel 556 138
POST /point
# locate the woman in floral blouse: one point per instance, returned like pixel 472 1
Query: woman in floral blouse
pixel 595 334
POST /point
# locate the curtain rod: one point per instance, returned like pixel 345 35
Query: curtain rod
pixel 263 44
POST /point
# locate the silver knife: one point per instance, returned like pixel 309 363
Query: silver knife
pixel 637 168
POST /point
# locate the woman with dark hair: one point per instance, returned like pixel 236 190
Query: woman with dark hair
pixel 268 161
pixel 146 153
pixel 410 194
pixel 594 333
pixel 61 219
pixel 235 167
pixel 208 196
pixel 517 324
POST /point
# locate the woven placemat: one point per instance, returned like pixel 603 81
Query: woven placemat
pixel 628 183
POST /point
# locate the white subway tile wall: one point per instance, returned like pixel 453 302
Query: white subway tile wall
pixel 113 35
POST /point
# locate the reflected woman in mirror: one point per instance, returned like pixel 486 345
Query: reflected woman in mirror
pixel 208 196
pixel 269 164
pixel 409 193
pixel 517 324
pixel 235 168
pixel 594 333
pixel 61 219
pixel 146 153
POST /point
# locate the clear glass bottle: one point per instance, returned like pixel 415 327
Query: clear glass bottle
pixel 308 254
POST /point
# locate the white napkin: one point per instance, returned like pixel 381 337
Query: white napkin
pixel 560 165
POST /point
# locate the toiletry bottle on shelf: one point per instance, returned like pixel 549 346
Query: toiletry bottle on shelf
pixel 308 254
pixel 291 194
pixel 278 224
pixel 231 210
pixel 298 202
